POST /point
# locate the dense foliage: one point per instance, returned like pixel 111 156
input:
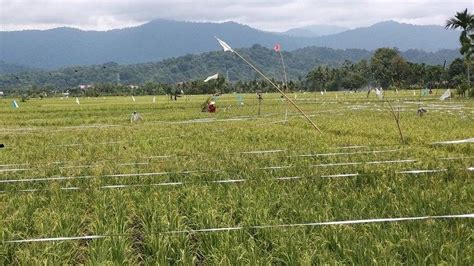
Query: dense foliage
pixel 464 21
pixel 7 68
pixel 342 69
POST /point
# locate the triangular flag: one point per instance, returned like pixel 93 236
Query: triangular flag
pixel 77 100
pixel 379 93
pixel 133 98
pixel 446 95
pixel 15 104
pixel 215 76
pixel 154 99
pixel 240 99
pixel 224 45
pixel 277 47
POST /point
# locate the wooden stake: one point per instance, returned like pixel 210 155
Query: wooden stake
pixel 396 116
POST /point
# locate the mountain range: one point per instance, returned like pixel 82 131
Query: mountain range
pixel 162 39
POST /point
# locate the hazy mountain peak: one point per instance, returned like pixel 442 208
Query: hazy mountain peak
pixel 315 31
pixel 387 22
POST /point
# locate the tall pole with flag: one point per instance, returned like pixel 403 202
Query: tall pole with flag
pixel 277 49
pixel 226 48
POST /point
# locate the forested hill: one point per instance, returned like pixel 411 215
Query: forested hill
pixel 192 67
pixel 162 39
pixel 7 68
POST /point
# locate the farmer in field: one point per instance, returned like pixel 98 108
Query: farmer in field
pixel 135 117
pixel 211 108
pixel 209 105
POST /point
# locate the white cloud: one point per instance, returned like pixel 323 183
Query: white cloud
pixel 274 15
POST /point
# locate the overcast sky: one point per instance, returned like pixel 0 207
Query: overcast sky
pixel 272 15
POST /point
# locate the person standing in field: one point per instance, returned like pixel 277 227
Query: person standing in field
pixel 135 117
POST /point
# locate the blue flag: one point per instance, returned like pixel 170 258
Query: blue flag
pixel 425 91
pixel 240 99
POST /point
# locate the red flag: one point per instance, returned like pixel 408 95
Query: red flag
pixel 277 47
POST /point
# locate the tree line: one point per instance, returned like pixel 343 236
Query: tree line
pixel 194 67
pixel 386 68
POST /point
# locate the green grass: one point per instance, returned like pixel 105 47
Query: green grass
pixel 53 137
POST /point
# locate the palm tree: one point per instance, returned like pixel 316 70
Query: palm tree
pixel 465 21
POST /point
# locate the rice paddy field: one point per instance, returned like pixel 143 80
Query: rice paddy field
pixel 80 184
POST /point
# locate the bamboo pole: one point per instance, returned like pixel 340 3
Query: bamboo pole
pixel 279 90
pixel 286 82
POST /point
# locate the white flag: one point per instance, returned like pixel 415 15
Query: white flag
pixel 15 104
pixel 77 100
pixel 133 98
pixel 322 93
pixel 224 45
pixel 446 95
pixel 154 99
pixel 379 93
pixel 216 76
pixel 414 93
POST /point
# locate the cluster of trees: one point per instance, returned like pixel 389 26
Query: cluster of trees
pixel 464 21
pixel 388 69
pixel 194 67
